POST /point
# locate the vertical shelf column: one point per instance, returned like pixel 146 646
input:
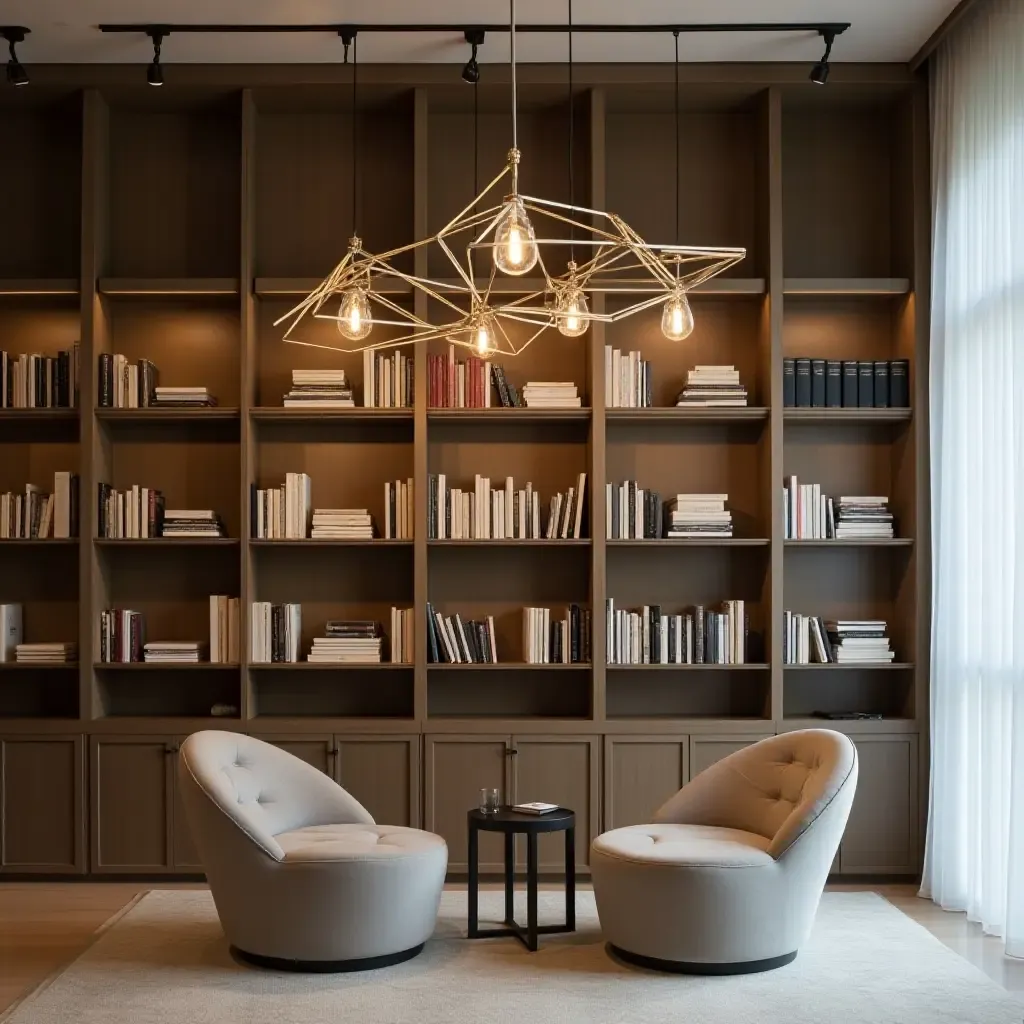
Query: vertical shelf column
pixel 95 186
pixel 420 591
pixel 598 433
pixel 247 391
pixel 770 179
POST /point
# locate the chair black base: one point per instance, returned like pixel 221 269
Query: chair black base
pixel 366 963
pixel 686 967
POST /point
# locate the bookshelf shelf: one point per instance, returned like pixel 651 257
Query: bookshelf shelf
pixel 819 416
pixel 309 542
pixel 28 416
pixel 168 287
pixel 675 414
pixel 874 542
pixel 217 414
pixel 691 542
pixel 277 414
pixel 166 542
pixel 500 415
pixel 38 287
pixel 297 287
pixel 508 666
pixel 36 542
pixel 748 667
pixel 530 542
pixel 60 666
pixel 150 666
pixel 840 287
pixel 306 666
pixel 865 666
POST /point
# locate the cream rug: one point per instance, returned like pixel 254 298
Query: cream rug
pixel 166 962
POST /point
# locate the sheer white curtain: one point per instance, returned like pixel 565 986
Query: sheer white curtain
pixel 974 858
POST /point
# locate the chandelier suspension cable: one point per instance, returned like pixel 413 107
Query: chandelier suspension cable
pixel 572 176
pixel 676 102
pixel 355 120
pixel 515 133
pixel 476 140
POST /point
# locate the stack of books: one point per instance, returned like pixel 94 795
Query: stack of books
pixel 627 380
pixel 450 641
pixel 36 515
pixel 388 381
pixel 701 636
pixel 278 513
pixel 551 395
pixel 454 384
pixel 348 642
pixel 845 383
pixel 398 510
pixel 713 387
pixel 698 515
pixel 563 641
pixel 33 381
pixel 174 652
pixel 135 513
pixel 274 632
pixel 342 524
pixel 863 518
pixel 402 648
pixel 858 641
pixel 631 512
pixel 225 647
pixel 190 522
pixel 319 389
pixel 46 653
pixel 184 398
pixel 124 385
pixel 122 635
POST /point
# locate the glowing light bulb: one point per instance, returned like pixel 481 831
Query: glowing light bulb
pixel 483 336
pixel 515 243
pixel 355 319
pixel 677 317
pixel 571 311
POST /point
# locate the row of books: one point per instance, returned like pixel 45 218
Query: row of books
pixel 810 639
pixel 403 649
pixel 319 389
pixel 14 649
pixel 275 632
pixel 845 383
pixel 550 641
pixel 808 514
pixel 399 510
pixel 702 636
pixel 388 380
pixel 712 387
pixel 124 385
pixel 36 515
pixel 33 381
pixel 502 513
pixel 137 512
pixel 460 384
pixel 450 641
pixel 283 512
pixel 276 637
pixel 225 640
pixel 627 380
pixel 122 635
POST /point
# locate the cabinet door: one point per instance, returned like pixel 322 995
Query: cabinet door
pixel 42 812
pixel 881 835
pixel 640 774
pixel 317 750
pixel 132 791
pixel 383 774
pixel 456 769
pixel 185 856
pixel 706 750
pixel 563 770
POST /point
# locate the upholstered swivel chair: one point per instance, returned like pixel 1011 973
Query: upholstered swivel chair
pixel 728 878
pixel 302 877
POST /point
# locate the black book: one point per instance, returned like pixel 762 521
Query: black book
pixel 789 382
pixel 574 634
pixel 833 384
pixel 656 634
pixel 850 369
pixel 899 383
pixel 818 383
pixel 866 385
pixel 803 383
pixel 105 394
pixel 698 629
pixel 881 384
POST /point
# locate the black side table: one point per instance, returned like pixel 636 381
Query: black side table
pixel 510 823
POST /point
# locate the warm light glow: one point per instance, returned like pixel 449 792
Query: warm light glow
pixel 677 317
pixel 484 339
pixel 515 243
pixel 571 312
pixel 355 320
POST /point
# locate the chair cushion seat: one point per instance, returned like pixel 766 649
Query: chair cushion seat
pixel 702 846
pixel 357 842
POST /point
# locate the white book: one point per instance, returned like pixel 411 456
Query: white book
pixel 10 630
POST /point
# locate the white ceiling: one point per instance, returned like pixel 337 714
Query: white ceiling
pixel 64 31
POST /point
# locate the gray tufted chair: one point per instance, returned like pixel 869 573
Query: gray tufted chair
pixel 301 875
pixel 728 878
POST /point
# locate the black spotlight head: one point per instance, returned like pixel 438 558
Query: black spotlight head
pixel 16 73
pixel 155 73
pixel 471 72
pixel 819 73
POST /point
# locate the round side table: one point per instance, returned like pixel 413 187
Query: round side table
pixel 511 823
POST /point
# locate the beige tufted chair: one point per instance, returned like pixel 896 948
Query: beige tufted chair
pixel 728 878
pixel 302 876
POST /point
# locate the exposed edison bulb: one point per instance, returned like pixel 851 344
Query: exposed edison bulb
pixel 515 242
pixel 571 312
pixel 677 317
pixel 483 336
pixel 355 319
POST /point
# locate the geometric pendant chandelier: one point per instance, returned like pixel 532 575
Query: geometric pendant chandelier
pixel 503 242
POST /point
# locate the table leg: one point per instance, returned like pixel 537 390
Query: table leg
pixel 510 861
pixel 531 891
pixel 570 879
pixel 474 882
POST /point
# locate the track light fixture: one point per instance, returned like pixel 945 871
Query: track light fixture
pixel 471 72
pixel 155 73
pixel 16 73
pixel 819 73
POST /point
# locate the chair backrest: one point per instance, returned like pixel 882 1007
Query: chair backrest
pixel 262 789
pixel 775 788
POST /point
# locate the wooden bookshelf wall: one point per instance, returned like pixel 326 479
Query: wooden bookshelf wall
pixel 178 226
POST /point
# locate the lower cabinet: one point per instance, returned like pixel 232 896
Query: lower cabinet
pixel 42 804
pixel 640 774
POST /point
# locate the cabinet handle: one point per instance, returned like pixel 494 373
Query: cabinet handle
pixel 512 751
pixel 172 748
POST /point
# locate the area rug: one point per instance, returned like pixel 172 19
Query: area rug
pixel 165 962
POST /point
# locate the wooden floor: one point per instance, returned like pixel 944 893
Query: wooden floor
pixel 43 926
